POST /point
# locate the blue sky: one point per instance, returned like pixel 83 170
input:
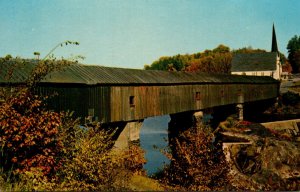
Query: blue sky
pixel 132 33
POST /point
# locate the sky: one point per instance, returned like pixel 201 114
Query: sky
pixel 132 33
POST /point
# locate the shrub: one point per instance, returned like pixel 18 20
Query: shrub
pixel 197 162
pixel 94 166
pixel 134 159
pixel 28 135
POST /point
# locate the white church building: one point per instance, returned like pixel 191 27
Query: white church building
pixel 258 64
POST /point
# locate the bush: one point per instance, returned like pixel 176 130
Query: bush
pixel 134 159
pixel 197 162
pixel 95 166
pixel 28 136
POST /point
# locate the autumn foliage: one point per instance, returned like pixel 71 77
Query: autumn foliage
pixel 211 61
pixel 197 162
pixel 28 135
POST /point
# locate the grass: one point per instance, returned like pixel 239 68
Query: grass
pixel 142 183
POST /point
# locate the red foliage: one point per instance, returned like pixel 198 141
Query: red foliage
pixel 286 67
pixel 28 135
pixel 245 123
pixel 197 162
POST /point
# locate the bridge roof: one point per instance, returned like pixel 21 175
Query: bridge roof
pixel 92 75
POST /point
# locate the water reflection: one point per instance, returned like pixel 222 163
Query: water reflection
pixel 154 132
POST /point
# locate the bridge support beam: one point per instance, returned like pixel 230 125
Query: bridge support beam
pixel 129 134
pixel 240 108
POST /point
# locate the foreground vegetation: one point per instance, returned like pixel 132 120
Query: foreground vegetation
pixel 197 162
pixel 46 150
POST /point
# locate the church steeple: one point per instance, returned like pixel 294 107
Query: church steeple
pixel 274 41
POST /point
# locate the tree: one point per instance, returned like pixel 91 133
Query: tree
pixel 177 62
pixel 217 60
pixel 221 49
pixel 293 48
pixel 248 49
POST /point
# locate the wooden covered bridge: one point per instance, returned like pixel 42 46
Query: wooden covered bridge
pixel 116 94
pixel 129 95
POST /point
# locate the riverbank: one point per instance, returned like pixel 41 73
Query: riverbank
pixel 264 156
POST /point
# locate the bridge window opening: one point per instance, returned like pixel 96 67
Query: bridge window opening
pixel 198 96
pixel 131 101
pixel 222 93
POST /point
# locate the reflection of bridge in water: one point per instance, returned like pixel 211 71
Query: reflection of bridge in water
pixel 124 97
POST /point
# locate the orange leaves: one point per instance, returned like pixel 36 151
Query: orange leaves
pixel 134 158
pixel 17 138
pixel 28 134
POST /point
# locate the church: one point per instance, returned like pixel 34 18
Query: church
pixel 259 64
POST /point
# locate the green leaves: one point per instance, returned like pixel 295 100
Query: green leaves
pixel 69 42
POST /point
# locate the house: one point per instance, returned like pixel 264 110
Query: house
pixel 258 64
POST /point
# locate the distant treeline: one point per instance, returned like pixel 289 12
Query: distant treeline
pixel 217 60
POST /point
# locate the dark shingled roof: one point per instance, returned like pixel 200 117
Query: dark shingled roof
pixel 92 75
pixel 254 62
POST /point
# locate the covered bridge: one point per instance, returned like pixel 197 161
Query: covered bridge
pixel 115 94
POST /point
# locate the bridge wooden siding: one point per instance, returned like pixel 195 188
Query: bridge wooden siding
pixel 83 100
pixel 115 94
pixel 161 100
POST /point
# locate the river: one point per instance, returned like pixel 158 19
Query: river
pixel 154 132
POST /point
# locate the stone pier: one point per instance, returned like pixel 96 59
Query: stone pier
pixel 130 133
